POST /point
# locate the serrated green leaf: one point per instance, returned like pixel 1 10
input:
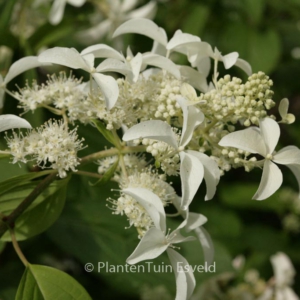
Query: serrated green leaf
pixel 107 175
pixel 41 214
pixel 46 283
pixel 106 133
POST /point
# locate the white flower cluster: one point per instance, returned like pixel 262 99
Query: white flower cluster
pixel 50 146
pixel 190 128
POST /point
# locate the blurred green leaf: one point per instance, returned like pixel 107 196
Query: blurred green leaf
pixel 222 223
pixel 6 9
pixel 240 196
pixel 262 49
pixel 196 19
pixel 15 181
pixel 45 283
pixel 41 214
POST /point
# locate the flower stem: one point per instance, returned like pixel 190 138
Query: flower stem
pixel 111 152
pixel 88 174
pixel 17 248
pixel 9 221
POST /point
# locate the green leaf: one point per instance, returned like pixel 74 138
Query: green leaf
pixel 6 8
pixel 240 196
pixel 88 231
pixel 41 214
pixel 262 49
pixel 46 283
pixel 15 181
pixel 196 19
pixel 107 175
pixel 106 133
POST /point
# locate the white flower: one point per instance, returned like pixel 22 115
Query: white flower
pixel 12 121
pixel 51 143
pixel 263 141
pixel 284 274
pixel 71 58
pixel 156 241
pixel 283 111
pixel 195 222
pixel 194 165
pixel 198 52
pixel 117 13
pixel 16 69
pixel 58 8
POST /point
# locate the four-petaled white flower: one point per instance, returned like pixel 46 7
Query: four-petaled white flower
pixel 263 141
pixel 156 241
pixel 84 60
pixel 12 121
pixel 194 165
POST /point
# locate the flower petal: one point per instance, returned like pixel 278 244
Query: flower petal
pixel 192 117
pixel 153 129
pixel 142 26
pixel 68 57
pixel 102 50
pixel 161 62
pixel 147 11
pixel 20 66
pixel 151 246
pixel 76 3
pixel 283 111
pixel 287 156
pixel 248 139
pixel 128 5
pixel 136 64
pixel 296 171
pixel 283 269
pixel 114 65
pixel 230 59
pixel 194 221
pixel 211 173
pixel 180 39
pixel 244 65
pixel 185 280
pixel 94 33
pixel 191 172
pixel 151 203
pixel 57 11
pixel 12 121
pixel 206 243
pixel 270 132
pixel 194 78
pixel 270 182
pixel 109 88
